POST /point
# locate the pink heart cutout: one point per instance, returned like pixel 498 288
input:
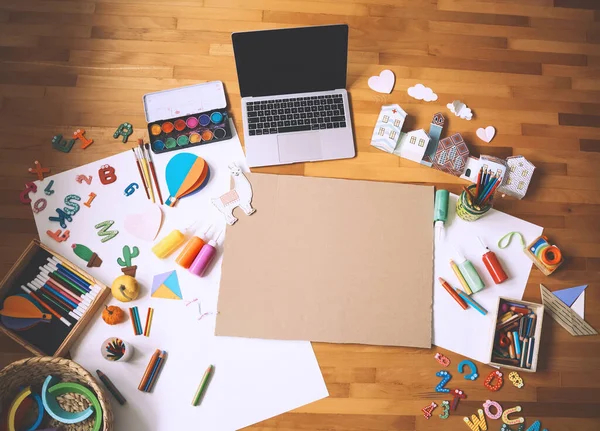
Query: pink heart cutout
pixel 487 134
pixel 145 224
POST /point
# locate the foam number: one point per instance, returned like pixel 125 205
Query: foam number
pixel 62 218
pixel 488 413
pixel 476 423
pixel 488 381
pixel 446 376
pixel 107 175
pixel 30 187
pixel 516 379
pixel 472 369
pixel 442 359
pixel 48 190
pixel 131 188
pixel 106 234
pixel 39 205
pixel 508 421
pixel 457 395
pixel 83 179
pixel 59 235
pixel 446 412
pixel 428 409
pixel 91 197
pixel 71 207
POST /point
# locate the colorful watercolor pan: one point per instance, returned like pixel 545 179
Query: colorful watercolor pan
pixel 190 130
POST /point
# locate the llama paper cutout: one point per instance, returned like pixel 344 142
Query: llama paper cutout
pixel 166 286
pixel 239 196
pixel 564 315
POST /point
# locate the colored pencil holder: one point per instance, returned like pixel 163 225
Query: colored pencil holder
pixel 468 212
pixel 115 349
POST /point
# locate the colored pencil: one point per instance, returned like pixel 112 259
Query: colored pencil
pixel 151 162
pixel 46 306
pixel 492 191
pixel 460 277
pixel 149 369
pixel 139 166
pixel 202 386
pixel 159 366
pixel 145 169
pixel 453 293
pixel 517 344
pixel 477 187
pixel 132 321
pixel 471 302
pixel 111 387
pixel 148 321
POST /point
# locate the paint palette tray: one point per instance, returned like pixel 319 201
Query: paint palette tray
pixel 189 131
pixel 187 116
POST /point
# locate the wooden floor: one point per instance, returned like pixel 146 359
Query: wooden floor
pixel 531 68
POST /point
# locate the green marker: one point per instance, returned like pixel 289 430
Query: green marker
pixel 86 254
pixel 203 385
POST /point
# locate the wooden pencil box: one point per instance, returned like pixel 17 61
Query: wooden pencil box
pixel 500 342
pixel 53 338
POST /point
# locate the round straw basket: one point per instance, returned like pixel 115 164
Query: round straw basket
pixel 33 371
pixel 467 211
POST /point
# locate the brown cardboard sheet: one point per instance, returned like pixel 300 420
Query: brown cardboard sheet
pixel 330 260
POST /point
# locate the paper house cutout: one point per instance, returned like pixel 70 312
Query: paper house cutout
pixel 564 315
pixel 435 132
pixel 494 164
pixel 388 128
pixel 520 171
pixel 412 145
pixel 166 286
pixel 451 155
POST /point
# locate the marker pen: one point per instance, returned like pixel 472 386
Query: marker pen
pixel 469 273
pixel 492 264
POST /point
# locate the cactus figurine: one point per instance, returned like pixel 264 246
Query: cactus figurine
pixel 128 256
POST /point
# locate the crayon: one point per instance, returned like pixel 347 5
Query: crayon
pixel 202 386
pixel 453 293
pixel 111 387
pixel 471 302
pixel 149 368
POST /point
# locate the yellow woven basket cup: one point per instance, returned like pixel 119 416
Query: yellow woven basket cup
pixel 33 371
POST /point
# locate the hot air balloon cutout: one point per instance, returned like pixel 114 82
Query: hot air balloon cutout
pixel 185 174
pixel 20 312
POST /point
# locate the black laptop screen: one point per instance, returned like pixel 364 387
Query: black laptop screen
pixel 295 60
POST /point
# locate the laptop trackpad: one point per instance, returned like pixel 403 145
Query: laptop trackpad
pixel 299 147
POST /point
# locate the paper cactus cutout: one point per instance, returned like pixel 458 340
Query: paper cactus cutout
pixel 128 255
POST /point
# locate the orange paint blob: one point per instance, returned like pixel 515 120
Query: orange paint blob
pixel 167 127
pixel 155 129
pixel 207 135
pixel 179 125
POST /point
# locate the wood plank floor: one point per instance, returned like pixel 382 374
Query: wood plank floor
pixel 531 68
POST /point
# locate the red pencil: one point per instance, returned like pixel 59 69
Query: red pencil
pixel 154 173
pixel 453 294
pixel 478 183
pixel 140 171
pixel 132 321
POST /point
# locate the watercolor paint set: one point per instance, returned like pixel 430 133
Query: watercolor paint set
pixel 189 130
pixel 187 117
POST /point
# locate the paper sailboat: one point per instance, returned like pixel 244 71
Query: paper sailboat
pixel 566 306
pixel 166 286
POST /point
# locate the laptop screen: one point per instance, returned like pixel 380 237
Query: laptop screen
pixel 295 60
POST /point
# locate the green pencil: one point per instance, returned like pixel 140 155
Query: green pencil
pixel 203 385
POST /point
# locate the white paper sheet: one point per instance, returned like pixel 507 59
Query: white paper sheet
pixel 253 379
pixel 467 332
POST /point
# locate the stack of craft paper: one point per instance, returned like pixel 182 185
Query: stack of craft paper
pixel 466 331
pixel 253 379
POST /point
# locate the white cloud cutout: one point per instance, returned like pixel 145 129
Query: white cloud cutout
pixel 420 92
pixel 460 110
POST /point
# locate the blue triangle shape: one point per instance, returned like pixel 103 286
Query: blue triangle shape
pixel 570 295
pixel 172 282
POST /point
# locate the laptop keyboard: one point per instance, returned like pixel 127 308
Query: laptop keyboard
pixel 296 114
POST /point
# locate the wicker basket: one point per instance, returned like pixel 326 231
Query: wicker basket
pixel 33 371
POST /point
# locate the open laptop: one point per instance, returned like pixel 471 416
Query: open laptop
pixel 294 100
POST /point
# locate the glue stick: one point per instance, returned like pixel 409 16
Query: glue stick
pixel 470 274
pixel 172 242
pixel 205 257
pixel 493 265
pixel 191 250
pixel 440 212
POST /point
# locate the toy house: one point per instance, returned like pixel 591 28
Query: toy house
pixel 412 145
pixel 492 164
pixel 388 128
pixel 435 132
pixel 519 173
pixel 451 155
